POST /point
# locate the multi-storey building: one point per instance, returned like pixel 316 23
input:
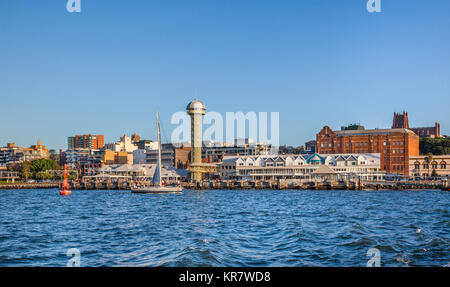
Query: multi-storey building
pixel 216 151
pixel 394 145
pixel 86 142
pixel 177 155
pixel 117 157
pixel 85 160
pixel 126 144
pixel 424 165
pixel 146 144
pixel 167 155
pixel 338 166
pixel 74 156
pixel 16 154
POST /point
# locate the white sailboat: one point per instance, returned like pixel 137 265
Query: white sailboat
pixel 157 186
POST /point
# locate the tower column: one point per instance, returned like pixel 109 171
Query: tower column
pixel 196 110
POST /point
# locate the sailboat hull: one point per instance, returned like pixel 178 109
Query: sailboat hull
pixel 158 190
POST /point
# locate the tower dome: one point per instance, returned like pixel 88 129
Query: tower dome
pixel 195 106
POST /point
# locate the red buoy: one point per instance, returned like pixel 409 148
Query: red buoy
pixel 65 184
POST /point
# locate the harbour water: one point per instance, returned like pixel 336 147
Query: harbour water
pixel 225 228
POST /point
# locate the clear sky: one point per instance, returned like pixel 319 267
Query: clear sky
pixel 317 62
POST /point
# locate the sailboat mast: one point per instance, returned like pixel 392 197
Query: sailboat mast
pixel 159 149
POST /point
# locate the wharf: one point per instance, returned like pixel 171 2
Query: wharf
pixel 25 185
pixel 245 185
pixel 317 185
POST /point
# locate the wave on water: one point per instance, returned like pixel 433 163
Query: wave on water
pixel 225 228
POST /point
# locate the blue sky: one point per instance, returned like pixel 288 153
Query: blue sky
pixel 317 62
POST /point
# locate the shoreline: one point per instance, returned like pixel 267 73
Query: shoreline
pixel 230 185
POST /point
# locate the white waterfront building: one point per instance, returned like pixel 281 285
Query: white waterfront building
pixel 137 172
pixel 329 166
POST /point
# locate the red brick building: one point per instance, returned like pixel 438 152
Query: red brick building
pixel 86 141
pixel 394 145
pixel 401 121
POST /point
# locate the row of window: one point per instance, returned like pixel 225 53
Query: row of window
pixel 361 144
pixel 395 167
pixel 229 167
pixel 397 159
pixel 433 166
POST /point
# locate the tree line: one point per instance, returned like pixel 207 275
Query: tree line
pixel 434 146
pixel 38 169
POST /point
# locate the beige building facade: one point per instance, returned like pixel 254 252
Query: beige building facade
pixel 424 165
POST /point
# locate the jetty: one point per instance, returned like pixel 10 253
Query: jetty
pixel 355 184
pixel 318 185
pixel 27 185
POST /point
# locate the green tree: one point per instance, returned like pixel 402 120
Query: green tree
pixel 25 170
pixel 26 175
pixel 435 146
pixel 42 175
pixel 43 164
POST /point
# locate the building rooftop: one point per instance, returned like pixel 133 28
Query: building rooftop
pixel 374 131
pixel 324 169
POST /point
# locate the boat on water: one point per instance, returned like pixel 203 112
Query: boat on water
pixel 64 190
pixel 158 189
pixel 157 186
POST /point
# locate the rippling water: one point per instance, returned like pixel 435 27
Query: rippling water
pixel 225 228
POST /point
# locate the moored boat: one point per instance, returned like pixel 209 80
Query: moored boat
pixel 157 186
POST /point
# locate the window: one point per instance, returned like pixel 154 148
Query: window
pixel 356 144
pixel 384 143
pixel 443 165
